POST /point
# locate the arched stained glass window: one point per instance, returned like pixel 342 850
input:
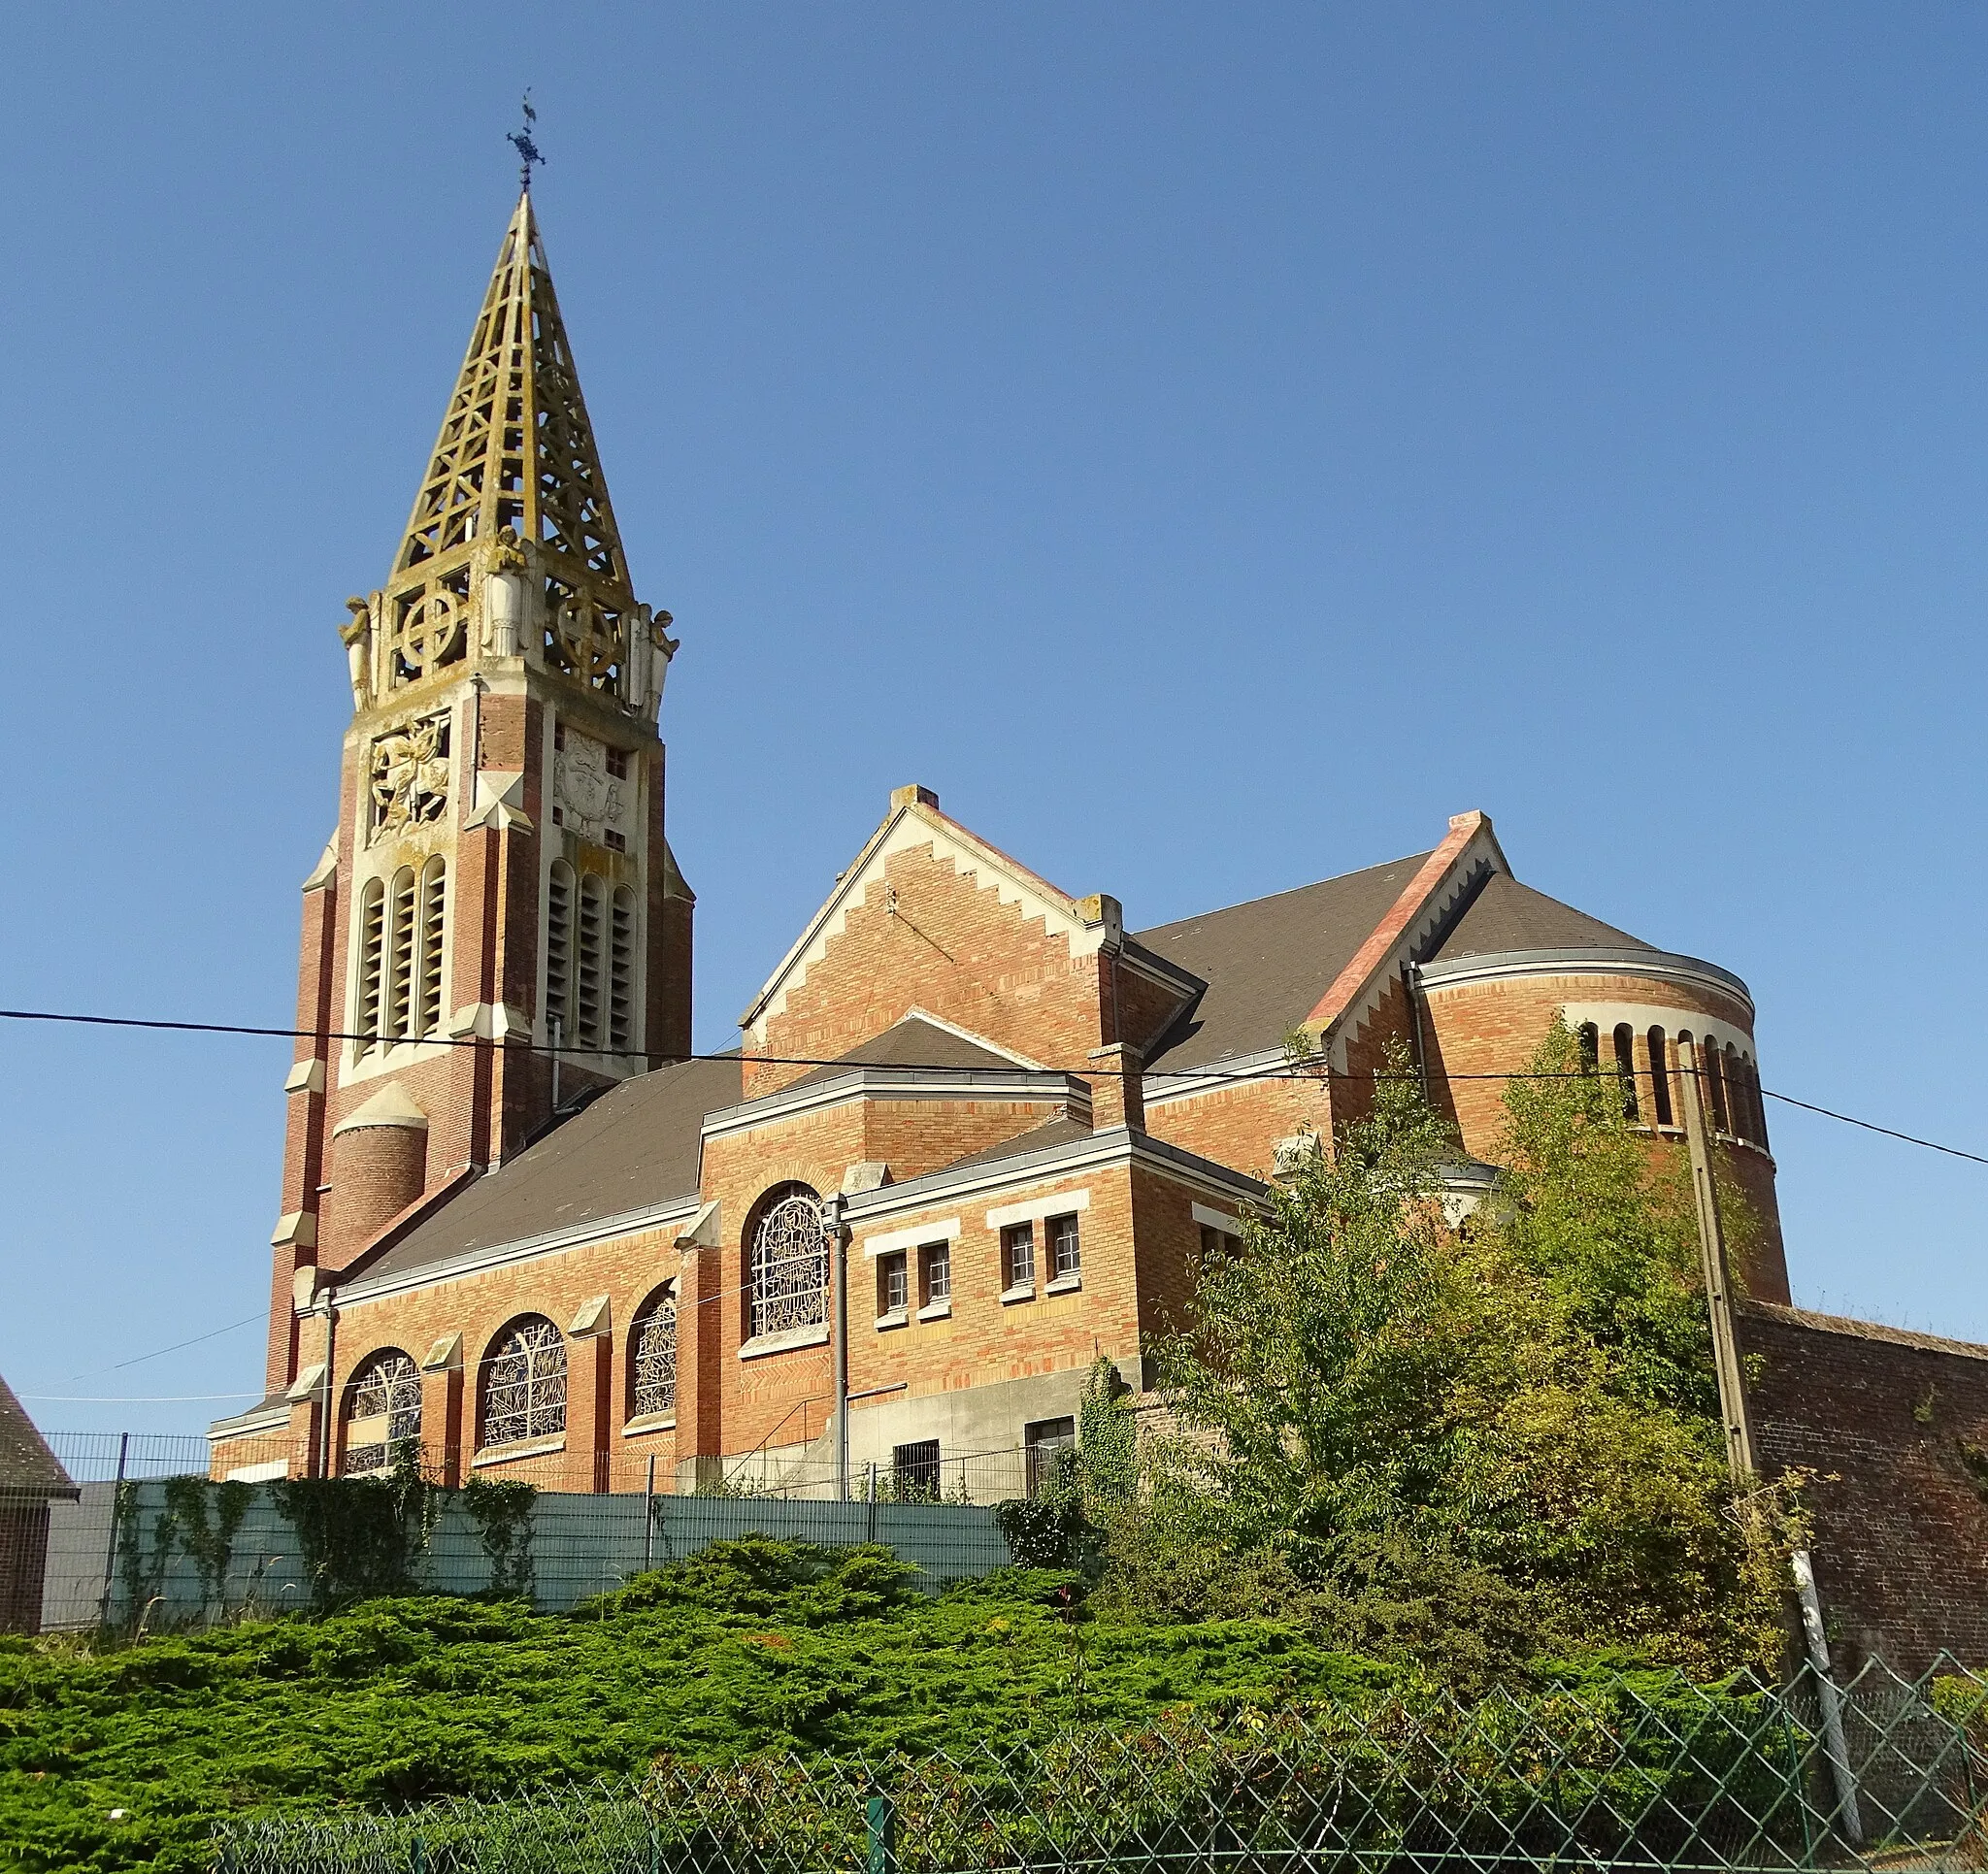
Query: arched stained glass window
pixel 382 1412
pixel 788 1285
pixel 652 1358
pixel 524 1383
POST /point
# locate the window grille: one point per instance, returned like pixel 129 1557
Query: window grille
pixel 1043 1444
pixel 428 978
pixel 789 1281
pixel 586 1013
pixel 618 764
pixel 1660 1075
pixel 372 940
pixel 936 1271
pixel 914 1471
pixel 400 954
pixel 621 970
pixel 893 1284
pixel 385 1399
pixel 1018 1256
pixel 1066 1256
pixel 524 1385
pixel 559 950
pixel 1625 1066
pixel 655 1356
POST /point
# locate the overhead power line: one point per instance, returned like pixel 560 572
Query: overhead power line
pixel 1300 1070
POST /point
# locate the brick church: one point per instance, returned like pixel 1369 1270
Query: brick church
pixel 976 1127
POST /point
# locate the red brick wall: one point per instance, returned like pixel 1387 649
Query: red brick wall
pixel 951 948
pixel 1490 1027
pixel 1901 1523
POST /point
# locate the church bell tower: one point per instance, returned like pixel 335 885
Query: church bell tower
pixel 500 874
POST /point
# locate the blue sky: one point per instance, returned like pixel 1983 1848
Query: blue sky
pixel 1209 445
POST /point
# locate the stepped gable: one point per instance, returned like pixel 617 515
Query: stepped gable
pixel 28 1469
pixel 1506 916
pixel 1268 962
pixel 632 1147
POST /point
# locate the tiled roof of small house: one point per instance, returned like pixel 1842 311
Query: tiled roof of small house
pixel 28 1467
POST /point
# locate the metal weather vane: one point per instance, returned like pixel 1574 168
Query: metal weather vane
pixel 521 140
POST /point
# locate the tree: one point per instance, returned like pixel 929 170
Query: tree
pixel 1488 1440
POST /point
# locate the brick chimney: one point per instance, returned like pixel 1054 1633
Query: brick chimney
pixel 1117 1092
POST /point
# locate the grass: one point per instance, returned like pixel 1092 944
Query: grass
pixel 749 1646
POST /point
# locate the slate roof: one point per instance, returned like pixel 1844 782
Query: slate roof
pixel 28 1467
pixel 632 1148
pixel 913 1042
pixel 1268 962
pixel 1059 1130
pixel 1506 915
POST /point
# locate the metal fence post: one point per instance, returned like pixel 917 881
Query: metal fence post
pixel 880 1813
pixel 417 1855
pixel 110 1548
pixel 649 1516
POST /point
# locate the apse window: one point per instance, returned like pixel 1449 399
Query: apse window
pixel 1017 1261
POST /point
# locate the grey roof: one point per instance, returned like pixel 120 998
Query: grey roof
pixel 911 1041
pixel 632 1148
pixel 28 1467
pixel 1268 962
pixel 1059 1130
pixel 1506 915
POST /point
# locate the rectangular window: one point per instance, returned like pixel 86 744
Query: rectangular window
pixel 1018 1256
pixel 618 763
pixel 1043 1446
pixel 935 1274
pixel 558 734
pixel 1065 1258
pixel 613 841
pixel 1215 1244
pixel 914 1471
pixel 893 1285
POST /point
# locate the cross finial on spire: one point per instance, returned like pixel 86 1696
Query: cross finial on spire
pixel 521 141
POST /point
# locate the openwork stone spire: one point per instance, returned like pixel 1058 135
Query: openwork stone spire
pixel 511 549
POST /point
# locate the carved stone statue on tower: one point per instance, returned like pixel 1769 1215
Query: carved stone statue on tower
pixel 358 636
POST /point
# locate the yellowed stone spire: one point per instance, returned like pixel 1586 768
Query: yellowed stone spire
pixel 512 551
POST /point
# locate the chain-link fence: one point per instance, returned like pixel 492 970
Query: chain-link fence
pixel 1641 1773
pixel 153 1542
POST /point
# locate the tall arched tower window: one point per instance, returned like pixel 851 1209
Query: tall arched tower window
pixel 787 1286
pixel 372 948
pixel 590 962
pixel 1716 1085
pixel 559 950
pixel 621 970
pixel 432 922
pixel 400 956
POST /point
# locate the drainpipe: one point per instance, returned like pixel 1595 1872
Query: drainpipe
pixel 839 1328
pixel 1411 981
pixel 330 1391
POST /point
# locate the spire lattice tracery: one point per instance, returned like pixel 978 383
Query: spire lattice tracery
pixel 517 450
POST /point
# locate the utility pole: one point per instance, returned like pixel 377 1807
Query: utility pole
pixel 1718 1281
